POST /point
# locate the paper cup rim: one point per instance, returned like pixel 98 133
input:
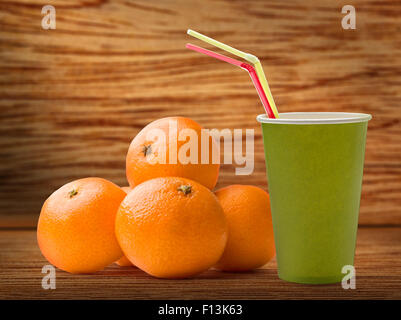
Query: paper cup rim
pixel 315 118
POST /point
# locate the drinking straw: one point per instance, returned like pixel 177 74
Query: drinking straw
pixel 245 66
pixel 246 56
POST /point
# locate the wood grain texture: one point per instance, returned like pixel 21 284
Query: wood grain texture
pixel 377 263
pixel 71 99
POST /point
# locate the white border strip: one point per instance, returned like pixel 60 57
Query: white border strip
pixel 315 118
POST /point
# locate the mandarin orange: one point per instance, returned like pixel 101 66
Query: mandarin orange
pixel 124 262
pixel 76 228
pixel 173 147
pixel 171 227
pixel 250 241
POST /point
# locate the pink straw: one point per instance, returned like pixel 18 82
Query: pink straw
pixel 250 69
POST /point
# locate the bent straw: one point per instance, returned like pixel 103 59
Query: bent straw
pixel 245 66
pixel 246 56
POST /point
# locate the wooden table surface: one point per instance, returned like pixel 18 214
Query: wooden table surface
pixel 377 263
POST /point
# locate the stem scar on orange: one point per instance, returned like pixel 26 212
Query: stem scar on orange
pixel 171 227
pixel 76 228
pixel 155 152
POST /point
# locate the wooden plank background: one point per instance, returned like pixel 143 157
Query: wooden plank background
pixel 71 99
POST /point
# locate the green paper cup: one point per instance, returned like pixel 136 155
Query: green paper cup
pixel 314 166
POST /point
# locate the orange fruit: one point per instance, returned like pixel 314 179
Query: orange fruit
pixel 171 227
pixel 76 228
pixel 250 232
pixel 124 262
pixel 126 189
pixel 145 155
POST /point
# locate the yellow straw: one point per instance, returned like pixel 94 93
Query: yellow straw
pixel 248 57
pixel 265 86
